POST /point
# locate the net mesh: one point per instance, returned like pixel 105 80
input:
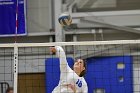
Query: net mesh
pixel 6 68
pixel 111 67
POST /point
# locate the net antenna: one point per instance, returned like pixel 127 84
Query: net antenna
pixel 16 30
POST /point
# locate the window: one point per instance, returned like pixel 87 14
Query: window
pixel 120 65
pixel 121 79
pixel 99 90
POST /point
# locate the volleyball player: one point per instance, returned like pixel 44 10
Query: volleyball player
pixel 71 81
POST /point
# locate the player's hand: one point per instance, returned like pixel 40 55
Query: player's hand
pixel 52 50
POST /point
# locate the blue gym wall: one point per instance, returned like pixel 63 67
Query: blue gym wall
pixel 102 73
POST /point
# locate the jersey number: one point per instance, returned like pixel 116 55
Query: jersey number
pixel 79 83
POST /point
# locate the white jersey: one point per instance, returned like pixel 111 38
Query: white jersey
pixel 68 76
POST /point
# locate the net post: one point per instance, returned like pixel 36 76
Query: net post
pixel 15 67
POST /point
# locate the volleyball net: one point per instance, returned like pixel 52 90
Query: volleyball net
pixel 112 66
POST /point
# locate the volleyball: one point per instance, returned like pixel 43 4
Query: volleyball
pixel 65 19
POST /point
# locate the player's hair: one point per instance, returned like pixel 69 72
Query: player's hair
pixel 84 71
pixel 9 89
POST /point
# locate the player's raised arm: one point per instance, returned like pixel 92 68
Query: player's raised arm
pixel 62 57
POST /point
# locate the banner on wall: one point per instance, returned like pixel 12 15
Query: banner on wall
pixel 8 11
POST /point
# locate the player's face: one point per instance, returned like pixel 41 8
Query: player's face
pixel 79 65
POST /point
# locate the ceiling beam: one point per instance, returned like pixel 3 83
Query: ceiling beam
pixel 106 13
pixel 101 22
